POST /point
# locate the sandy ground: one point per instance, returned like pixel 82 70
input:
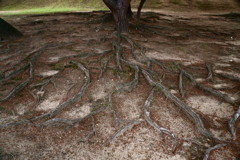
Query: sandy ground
pixel 192 40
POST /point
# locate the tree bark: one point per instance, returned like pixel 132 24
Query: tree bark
pixel 140 8
pixel 119 9
pixel 130 13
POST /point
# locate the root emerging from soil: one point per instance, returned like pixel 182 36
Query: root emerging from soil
pixel 132 61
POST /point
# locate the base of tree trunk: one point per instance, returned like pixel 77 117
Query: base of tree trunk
pixel 120 10
pixel 7 31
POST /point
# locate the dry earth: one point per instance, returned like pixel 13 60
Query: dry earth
pixel 97 126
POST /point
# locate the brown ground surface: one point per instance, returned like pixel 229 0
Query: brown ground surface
pixel 192 40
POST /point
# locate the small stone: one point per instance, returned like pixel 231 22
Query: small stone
pixel 200 80
pixel 173 91
pixel 49 73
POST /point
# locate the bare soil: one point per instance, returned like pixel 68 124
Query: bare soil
pixel 44 70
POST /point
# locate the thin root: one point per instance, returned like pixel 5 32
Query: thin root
pixel 207 89
pixel 184 107
pixel 231 123
pixel 147 104
pixel 211 149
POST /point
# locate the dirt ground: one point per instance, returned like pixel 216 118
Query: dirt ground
pixel 50 108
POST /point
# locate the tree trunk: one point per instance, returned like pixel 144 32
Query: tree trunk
pixel 130 13
pixel 7 31
pixel 119 9
pixel 140 8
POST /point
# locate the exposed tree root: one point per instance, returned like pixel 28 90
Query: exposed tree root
pixel 5 77
pixel 118 49
pixel 211 149
pixel 207 89
pixel 140 58
pixel 132 43
pixel 60 107
pixel 141 68
pixel 70 100
pixel 90 134
pixel 180 84
pixel 184 107
pixel 35 97
pixel 229 76
pixel 41 91
pixel 160 64
pixel 118 120
pixel 44 83
pixel 22 85
pixel 124 129
pixel 124 87
pixel 33 55
pixel 231 123
pixel 130 85
pixel 55 121
pixel 147 104
pixel 15 123
pixel 104 65
pixel 70 122
pixel 210 73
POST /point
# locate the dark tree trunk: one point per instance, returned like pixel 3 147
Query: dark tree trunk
pixel 130 13
pixel 7 31
pixel 140 8
pixel 119 9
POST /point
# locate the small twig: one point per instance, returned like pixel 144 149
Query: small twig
pixel 211 149
pixel 147 104
pixel 231 123
pixel 180 84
